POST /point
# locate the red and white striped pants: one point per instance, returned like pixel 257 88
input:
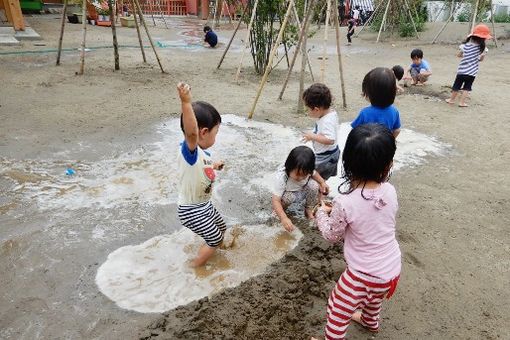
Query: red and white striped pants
pixel 355 291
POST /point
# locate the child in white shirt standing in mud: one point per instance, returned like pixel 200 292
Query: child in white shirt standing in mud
pixel 200 122
pixel 363 216
pixel 317 98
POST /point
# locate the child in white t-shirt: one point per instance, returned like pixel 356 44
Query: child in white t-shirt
pixel 295 182
pixel 317 99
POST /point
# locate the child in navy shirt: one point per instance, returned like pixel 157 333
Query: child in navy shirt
pixel 210 37
pixel 380 87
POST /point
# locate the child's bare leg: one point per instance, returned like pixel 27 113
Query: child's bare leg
pixel 204 254
pixel 463 96
pixel 451 100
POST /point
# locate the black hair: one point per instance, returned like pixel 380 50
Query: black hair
pixel 302 159
pixel 317 95
pixel 477 40
pixel 367 155
pixel 398 71
pixel 416 53
pixel 207 29
pixel 207 116
pixel 380 86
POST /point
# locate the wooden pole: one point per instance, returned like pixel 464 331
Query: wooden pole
pixel 325 47
pixel 302 35
pixel 271 56
pixel 148 34
pixel 475 13
pixel 412 19
pixel 61 37
pixel 247 39
pixel 114 36
pixel 445 24
pixel 306 52
pixel 233 35
pixel 336 22
pixel 138 30
pixel 383 20
pixel 493 26
pixel 301 106
pixel 84 35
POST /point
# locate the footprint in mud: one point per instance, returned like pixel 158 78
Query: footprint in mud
pixel 155 276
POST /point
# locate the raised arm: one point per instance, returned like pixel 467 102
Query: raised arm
pixel 189 121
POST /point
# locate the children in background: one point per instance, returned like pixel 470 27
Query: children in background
pixel 379 87
pixel 363 216
pixel 210 37
pixel 295 182
pixel 472 51
pixel 200 123
pixel 350 30
pixel 419 70
pixel 317 99
pixel 398 71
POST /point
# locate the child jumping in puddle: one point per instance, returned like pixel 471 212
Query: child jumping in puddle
pixel 472 52
pixel 200 122
pixel 363 216
pixel 380 88
pixel 295 182
pixel 317 99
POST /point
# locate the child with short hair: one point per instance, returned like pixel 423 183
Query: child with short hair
pixel 295 182
pixel 419 70
pixel 472 52
pixel 363 216
pixel 379 87
pixel 210 37
pixel 350 29
pixel 398 71
pixel 200 122
pixel 317 98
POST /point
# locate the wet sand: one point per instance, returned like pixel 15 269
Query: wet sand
pixel 452 223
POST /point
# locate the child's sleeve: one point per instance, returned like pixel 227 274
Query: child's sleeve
pixel 279 183
pixel 189 156
pixel 358 120
pixel 396 124
pixel 332 226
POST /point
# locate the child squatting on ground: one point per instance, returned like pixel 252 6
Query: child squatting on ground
pixel 210 37
pixel 363 216
pixel 200 123
pixel 472 52
pixel 380 88
pixel 317 98
pixel 419 70
pixel 295 182
pixel 398 71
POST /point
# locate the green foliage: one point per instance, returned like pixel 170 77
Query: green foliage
pixel 464 16
pixel 398 18
pixel 502 17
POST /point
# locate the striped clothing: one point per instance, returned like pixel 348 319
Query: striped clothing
pixel 470 59
pixel 204 220
pixel 355 290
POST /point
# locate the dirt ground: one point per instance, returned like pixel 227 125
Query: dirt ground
pixel 452 224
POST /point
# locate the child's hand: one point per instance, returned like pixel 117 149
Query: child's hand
pixel 326 207
pixel 218 165
pixel 184 92
pixel 288 225
pixel 308 136
pixel 324 188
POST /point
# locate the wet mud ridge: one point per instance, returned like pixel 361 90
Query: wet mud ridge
pixel 287 302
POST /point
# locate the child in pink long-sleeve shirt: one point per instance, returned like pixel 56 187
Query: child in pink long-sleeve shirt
pixel 363 216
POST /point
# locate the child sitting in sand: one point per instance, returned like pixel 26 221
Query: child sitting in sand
pixel 317 99
pixel 419 70
pixel 472 52
pixel 200 123
pixel 379 86
pixel 295 182
pixel 398 71
pixel 363 216
pixel 210 37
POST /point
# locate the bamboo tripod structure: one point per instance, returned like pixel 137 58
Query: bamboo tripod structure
pixel 473 20
pixel 136 10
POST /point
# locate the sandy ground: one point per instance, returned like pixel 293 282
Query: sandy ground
pixel 452 223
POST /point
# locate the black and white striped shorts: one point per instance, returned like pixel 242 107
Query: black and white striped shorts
pixel 204 220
